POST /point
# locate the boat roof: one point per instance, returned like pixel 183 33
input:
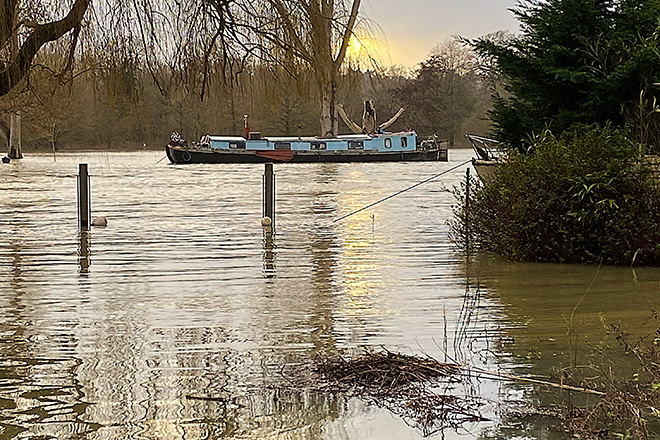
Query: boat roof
pixel 291 138
pixel 227 138
pixel 342 137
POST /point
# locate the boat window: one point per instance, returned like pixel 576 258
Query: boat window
pixel 282 145
pixel 237 145
pixel 356 145
pixel 404 142
pixel 388 142
pixel 318 146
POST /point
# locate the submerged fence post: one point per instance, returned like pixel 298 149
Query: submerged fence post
pixel 269 194
pixel 84 197
pixel 467 210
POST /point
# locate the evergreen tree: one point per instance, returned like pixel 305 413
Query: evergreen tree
pixel 577 61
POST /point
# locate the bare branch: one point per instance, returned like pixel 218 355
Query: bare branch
pixel 298 44
pixel 19 67
pixel 347 34
pixel 352 125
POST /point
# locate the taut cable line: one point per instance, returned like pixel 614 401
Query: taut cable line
pixel 403 190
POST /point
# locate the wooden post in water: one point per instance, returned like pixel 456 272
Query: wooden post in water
pixel 467 210
pixel 84 197
pixel 269 194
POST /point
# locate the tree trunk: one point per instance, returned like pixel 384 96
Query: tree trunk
pixel 329 120
pixel 312 41
pixel 15 147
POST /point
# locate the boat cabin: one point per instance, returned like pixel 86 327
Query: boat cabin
pixel 405 141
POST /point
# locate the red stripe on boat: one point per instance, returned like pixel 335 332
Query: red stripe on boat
pixel 281 155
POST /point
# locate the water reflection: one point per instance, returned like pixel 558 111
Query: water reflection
pixel 84 247
pixel 545 303
pixel 16 255
pixel 269 254
pixel 323 251
pixel 40 395
pixel 361 263
pixel 188 301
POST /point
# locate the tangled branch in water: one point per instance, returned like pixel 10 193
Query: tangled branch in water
pixel 408 386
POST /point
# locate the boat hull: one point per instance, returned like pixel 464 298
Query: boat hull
pixel 486 169
pixel 181 155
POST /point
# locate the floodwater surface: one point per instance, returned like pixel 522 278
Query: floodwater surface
pixel 180 321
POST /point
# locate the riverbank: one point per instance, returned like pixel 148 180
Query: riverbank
pixel 81 148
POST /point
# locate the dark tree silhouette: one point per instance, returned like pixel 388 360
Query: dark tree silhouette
pixel 18 65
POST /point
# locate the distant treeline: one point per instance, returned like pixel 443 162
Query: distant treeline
pixel 116 102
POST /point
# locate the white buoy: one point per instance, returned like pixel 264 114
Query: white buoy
pixel 100 221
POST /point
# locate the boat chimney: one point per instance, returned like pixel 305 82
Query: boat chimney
pixel 246 127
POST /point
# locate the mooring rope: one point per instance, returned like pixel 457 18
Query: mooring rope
pixel 403 190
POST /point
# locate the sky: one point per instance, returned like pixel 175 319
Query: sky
pixel 411 28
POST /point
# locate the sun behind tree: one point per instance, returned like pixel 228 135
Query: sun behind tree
pixel 365 51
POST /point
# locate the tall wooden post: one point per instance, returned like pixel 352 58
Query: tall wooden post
pixel 269 194
pixel 84 197
pixel 15 146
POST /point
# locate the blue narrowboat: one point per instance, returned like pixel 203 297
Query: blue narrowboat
pixel 382 147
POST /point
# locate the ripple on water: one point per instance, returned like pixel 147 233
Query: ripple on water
pixel 106 334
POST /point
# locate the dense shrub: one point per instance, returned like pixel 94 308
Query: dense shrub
pixel 582 198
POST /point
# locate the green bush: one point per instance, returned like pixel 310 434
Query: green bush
pixel 584 197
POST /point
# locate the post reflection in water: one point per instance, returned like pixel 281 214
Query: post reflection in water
pixel 269 254
pixel 84 250
pixel 40 392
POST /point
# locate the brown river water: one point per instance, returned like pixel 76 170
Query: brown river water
pixel 107 334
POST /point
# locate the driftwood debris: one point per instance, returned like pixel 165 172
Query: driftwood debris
pixel 392 120
pixel 426 394
pixel 347 120
pixel 421 390
pixel 414 388
pixel 385 371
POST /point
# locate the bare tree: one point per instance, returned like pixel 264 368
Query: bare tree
pixel 317 32
pixel 444 92
pixel 21 38
pixel 17 65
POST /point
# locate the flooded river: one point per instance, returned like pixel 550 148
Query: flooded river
pixel 113 334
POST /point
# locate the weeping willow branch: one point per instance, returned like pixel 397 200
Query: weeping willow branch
pixel 19 67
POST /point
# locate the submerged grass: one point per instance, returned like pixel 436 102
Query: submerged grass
pixel 629 408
